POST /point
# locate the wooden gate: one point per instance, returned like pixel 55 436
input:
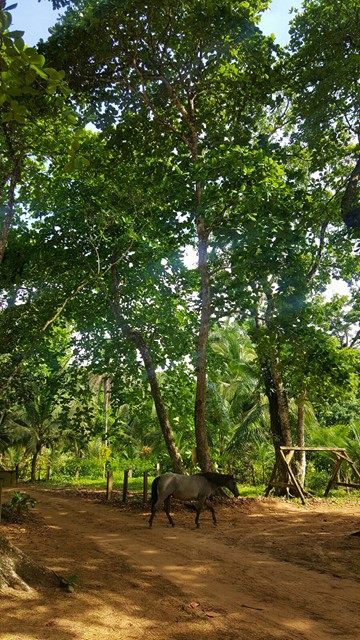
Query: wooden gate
pixel 286 455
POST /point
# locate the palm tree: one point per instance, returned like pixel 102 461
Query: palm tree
pixel 237 410
pixel 35 425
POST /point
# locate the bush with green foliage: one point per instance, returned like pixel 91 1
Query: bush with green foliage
pixel 17 507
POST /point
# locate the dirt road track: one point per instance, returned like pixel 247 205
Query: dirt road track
pixel 269 571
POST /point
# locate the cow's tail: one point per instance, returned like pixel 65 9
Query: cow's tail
pixel 154 491
pixel 154 497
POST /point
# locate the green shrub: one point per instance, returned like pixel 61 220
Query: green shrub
pixel 317 479
pixel 17 507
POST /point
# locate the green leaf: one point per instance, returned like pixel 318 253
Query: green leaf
pixel 39 71
pixel 5 20
pixel 35 58
pixel 15 34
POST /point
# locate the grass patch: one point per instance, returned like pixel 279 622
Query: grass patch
pixel 250 491
pixel 135 485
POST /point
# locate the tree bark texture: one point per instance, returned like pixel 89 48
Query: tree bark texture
pixel 279 414
pixel 282 403
pixel 9 180
pixel 9 211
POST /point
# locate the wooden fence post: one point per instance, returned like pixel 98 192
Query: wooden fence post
pixel 109 484
pixel 125 485
pixel 145 487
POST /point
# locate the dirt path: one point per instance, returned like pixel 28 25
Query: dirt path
pixel 269 571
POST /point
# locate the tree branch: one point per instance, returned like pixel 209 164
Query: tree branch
pixel 315 265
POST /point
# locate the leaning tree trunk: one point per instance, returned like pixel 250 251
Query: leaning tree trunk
pixel 138 341
pixel 175 457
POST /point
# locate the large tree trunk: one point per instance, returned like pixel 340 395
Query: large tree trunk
pixel 266 339
pixel 279 414
pixel 12 179
pixel 8 216
pixel 138 341
pixel 272 396
pixel 282 403
pixel 202 445
pixel 106 382
pixel 187 113
pixel 273 383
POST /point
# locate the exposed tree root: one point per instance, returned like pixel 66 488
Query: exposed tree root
pixel 18 571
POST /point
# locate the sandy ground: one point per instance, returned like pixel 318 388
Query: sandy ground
pixel 270 570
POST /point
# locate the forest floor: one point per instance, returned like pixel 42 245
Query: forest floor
pixel 270 570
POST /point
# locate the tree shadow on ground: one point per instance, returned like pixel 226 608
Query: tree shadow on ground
pixel 117 598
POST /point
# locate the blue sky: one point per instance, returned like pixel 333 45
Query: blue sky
pixel 35 18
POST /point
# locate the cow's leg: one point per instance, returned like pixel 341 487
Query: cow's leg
pixel 152 515
pixel 157 504
pixel 211 508
pixel 199 508
pixel 167 504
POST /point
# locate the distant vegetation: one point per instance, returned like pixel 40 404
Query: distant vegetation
pixel 143 130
